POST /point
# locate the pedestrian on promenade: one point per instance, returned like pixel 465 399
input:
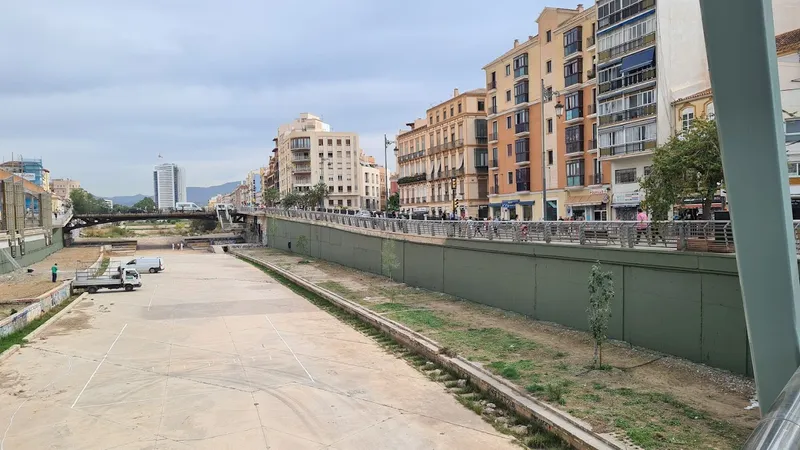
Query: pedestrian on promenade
pixel 641 224
pixel 54 271
pixel 181 245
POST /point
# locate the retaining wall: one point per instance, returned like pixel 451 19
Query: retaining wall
pixel 681 303
pixel 35 250
pixel 36 307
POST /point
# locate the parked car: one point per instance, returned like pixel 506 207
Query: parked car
pixel 364 214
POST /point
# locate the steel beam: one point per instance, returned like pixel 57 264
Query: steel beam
pixel 740 43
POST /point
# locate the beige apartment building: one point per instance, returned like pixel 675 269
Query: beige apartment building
pixel 62 187
pixel 309 152
pixel 370 183
pixel 548 74
pixel 446 149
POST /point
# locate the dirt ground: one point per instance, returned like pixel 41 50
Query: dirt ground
pixel 646 398
pixel 25 285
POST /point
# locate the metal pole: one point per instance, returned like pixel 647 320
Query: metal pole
pixel 386 167
pixel 748 114
pixel 544 161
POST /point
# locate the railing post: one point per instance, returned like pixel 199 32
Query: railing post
pixel 682 237
pixel 547 234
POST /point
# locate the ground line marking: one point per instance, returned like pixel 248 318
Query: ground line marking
pixel 98 367
pixel 151 297
pixel 290 349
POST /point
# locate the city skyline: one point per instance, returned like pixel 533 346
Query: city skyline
pixel 211 97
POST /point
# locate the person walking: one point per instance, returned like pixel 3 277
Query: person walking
pixel 54 272
pixel 641 224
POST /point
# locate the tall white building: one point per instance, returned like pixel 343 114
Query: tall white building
pixel 309 152
pixel 169 185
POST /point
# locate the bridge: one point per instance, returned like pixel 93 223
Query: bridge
pixel 88 220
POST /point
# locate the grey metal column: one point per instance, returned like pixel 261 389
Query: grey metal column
pixel 740 43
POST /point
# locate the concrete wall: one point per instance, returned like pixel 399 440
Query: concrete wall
pixel 36 307
pixel 681 303
pixel 35 250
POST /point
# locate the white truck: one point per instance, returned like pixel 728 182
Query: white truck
pixel 116 277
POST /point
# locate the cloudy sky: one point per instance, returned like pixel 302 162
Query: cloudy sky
pixel 99 88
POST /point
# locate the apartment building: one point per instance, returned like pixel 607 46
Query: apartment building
pixel 443 159
pixel 530 81
pixel 310 152
pixel 169 185
pixel 62 187
pixel 370 185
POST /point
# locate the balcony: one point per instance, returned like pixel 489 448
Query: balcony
pixel 574 113
pixel 303 158
pixel 302 168
pixel 492 137
pixel 628 47
pixel 597 179
pixel 520 72
pixel 411 156
pixel 624 13
pixel 571 49
pixel 523 187
pixel 590 42
pixel 627 81
pixel 591 109
pixel 591 144
pixel 522 128
pixel 481 140
pixel 524 157
pixel 492 110
pixel 446 146
pixel 575 78
pixel 493 163
pixel 494 190
pixel 521 98
pixel 628 149
pixel 591 74
pixel 576 180
pixel 412 179
pixel 491 85
pixel 629 114
pixel 574 147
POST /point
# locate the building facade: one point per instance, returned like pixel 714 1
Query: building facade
pixel 309 152
pixel 30 169
pixel 442 160
pixel 169 185
pixel 62 187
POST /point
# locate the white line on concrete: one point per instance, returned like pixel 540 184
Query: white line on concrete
pixel 11 420
pixel 290 349
pixel 151 297
pixel 98 367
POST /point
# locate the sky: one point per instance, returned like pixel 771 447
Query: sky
pixel 98 89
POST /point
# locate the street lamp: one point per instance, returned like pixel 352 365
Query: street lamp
pixel 386 144
pixel 547 96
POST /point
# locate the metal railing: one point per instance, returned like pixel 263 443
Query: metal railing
pixel 491 85
pixel 780 428
pixel 697 235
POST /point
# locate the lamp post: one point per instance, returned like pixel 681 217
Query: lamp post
pixel 547 96
pixel 386 144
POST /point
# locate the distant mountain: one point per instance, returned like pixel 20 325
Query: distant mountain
pixel 199 195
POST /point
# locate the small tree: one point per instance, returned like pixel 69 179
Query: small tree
pixel 146 204
pixel 290 200
pixel 601 292
pixel 394 202
pixel 389 257
pixel 271 196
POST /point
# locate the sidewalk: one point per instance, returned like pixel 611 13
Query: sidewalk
pixel 652 400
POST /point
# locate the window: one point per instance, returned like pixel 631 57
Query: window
pixel 508 122
pixel 330 154
pixel 508 95
pixel 710 111
pixel 575 173
pixel 794 169
pixel 347 142
pixel 338 142
pixel 549 67
pixel 459 108
pixel 521 65
pixel 340 188
pixel 321 142
pixel 481 157
pixel 330 202
pixel 549 157
pixel 573 72
pixel 451 111
pixel 481 105
pixel 330 141
pixel 647 170
pixel 510 177
pixel 687 117
pixel 508 69
pixel 339 177
pixel 524 179
pixel 549 36
pixel 521 92
pixel 339 202
pixel 494 157
pixel 349 188
pixel 549 126
pixel 496 182
pixel 572 41
pixel 444 114
pixel 437 118
pixel 508 149
pixel 573 106
pixel 430 120
pixel 349 203
pixel 624 176
pixel 573 136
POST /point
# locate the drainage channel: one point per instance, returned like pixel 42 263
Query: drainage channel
pixel 533 423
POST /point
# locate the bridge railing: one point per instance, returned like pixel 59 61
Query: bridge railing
pixel 62 219
pixel 716 236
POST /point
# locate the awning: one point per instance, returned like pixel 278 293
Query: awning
pixel 587 200
pixel 638 60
